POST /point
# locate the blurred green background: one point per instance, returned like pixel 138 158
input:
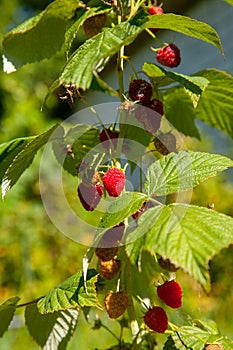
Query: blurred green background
pixel 34 255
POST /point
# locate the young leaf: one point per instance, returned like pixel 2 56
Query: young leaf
pixel 55 330
pixel 23 159
pixel 187 26
pixel 183 171
pixel 9 150
pixel 215 106
pixel 183 119
pixel 121 208
pixel 188 235
pixel 94 54
pixel 7 310
pixel 39 37
pixel 193 83
pixel 71 294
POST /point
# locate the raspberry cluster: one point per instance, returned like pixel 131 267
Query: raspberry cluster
pixel 149 111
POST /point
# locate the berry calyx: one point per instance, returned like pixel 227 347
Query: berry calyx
pixel 169 56
pixel 156 319
pixel 109 269
pixel 108 138
pixel 170 293
pixel 90 195
pixel 140 90
pixel 116 304
pixel 114 181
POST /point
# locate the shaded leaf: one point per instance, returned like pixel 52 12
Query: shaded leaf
pixel 20 46
pixel 9 150
pixel 55 330
pixel 183 171
pixel 187 26
pixel 193 83
pixel 180 114
pixel 188 235
pixel 7 310
pixel 71 294
pixel 215 106
pixel 94 54
pixel 121 208
pixel 24 158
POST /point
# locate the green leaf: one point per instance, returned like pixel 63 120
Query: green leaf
pixel 24 158
pixel 7 310
pixel 188 235
pixel 170 345
pixel 100 85
pixel 193 83
pixel 215 106
pixel 55 330
pixel 183 171
pixel 80 139
pixel 9 150
pixel 71 294
pixel 94 54
pixel 39 37
pixel 195 337
pixel 122 207
pixel 187 26
pixel 184 117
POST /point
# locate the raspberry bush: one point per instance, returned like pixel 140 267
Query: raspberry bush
pixel 129 173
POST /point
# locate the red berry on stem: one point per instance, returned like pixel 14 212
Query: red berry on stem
pixel 114 181
pixel 171 294
pixel 169 56
pixel 140 90
pixel 156 319
pixel 90 195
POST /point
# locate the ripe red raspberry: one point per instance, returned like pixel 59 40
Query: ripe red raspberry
pixel 94 24
pixel 140 90
pixel 109 243
pixel 150 115
pixel 165 143
pixel 114 181
pixel 169 56
pixel 90 195
pixel 108 138
pixel 170 293
pixel 156 319
pixel 116 304
pixel 155 10
pixel 109 269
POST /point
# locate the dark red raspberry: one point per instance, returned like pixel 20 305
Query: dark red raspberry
pixel 109 243
pixel 169 56
pixel 114 181
pixel 90 195
pixel 149 116
pixel 155 10
pixel 156 319
pixel 108 138
pixel 116 304
pixel 171 294
pixel 140 211
pixel 140 90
